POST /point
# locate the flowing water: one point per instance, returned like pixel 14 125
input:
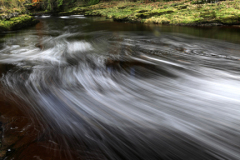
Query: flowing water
pixel 96 89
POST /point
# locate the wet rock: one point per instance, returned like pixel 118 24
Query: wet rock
pixel 3 16
pixel 9 16
pixel 15 14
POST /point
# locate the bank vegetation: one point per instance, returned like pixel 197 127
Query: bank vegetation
pixel 15 14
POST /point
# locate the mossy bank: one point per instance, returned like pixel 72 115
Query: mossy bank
pixel 174 12
pixel 18 22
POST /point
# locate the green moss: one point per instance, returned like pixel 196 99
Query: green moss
pixel 208 15
pixel 229 19
pixel 156 12
pixel 226 12
pixel 158 20
pixel 17 23
pixel 93 13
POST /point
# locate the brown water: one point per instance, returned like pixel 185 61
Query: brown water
pixel 74 87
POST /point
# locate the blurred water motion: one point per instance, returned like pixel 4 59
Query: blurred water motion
pixel 127 95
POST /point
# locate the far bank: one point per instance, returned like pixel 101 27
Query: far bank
pixel 184 12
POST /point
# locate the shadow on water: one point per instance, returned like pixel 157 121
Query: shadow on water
pixel 85 88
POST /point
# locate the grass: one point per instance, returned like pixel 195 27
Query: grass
pixel 173 12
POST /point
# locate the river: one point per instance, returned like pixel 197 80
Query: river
pixel 75 87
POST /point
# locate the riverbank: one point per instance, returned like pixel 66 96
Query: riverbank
pixel 173 13
pixel 18 22
pixel 14 15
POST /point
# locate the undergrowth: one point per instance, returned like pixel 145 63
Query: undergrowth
pixel 9 6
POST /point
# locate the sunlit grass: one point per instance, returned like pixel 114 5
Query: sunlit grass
pixel 174 12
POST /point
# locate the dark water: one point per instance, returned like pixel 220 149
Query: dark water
pixel 87 88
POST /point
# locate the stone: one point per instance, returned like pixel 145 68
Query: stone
pixel 3 17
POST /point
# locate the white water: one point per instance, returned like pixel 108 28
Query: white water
pixel 136 94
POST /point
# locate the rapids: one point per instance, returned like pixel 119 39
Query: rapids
pixel 127 91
